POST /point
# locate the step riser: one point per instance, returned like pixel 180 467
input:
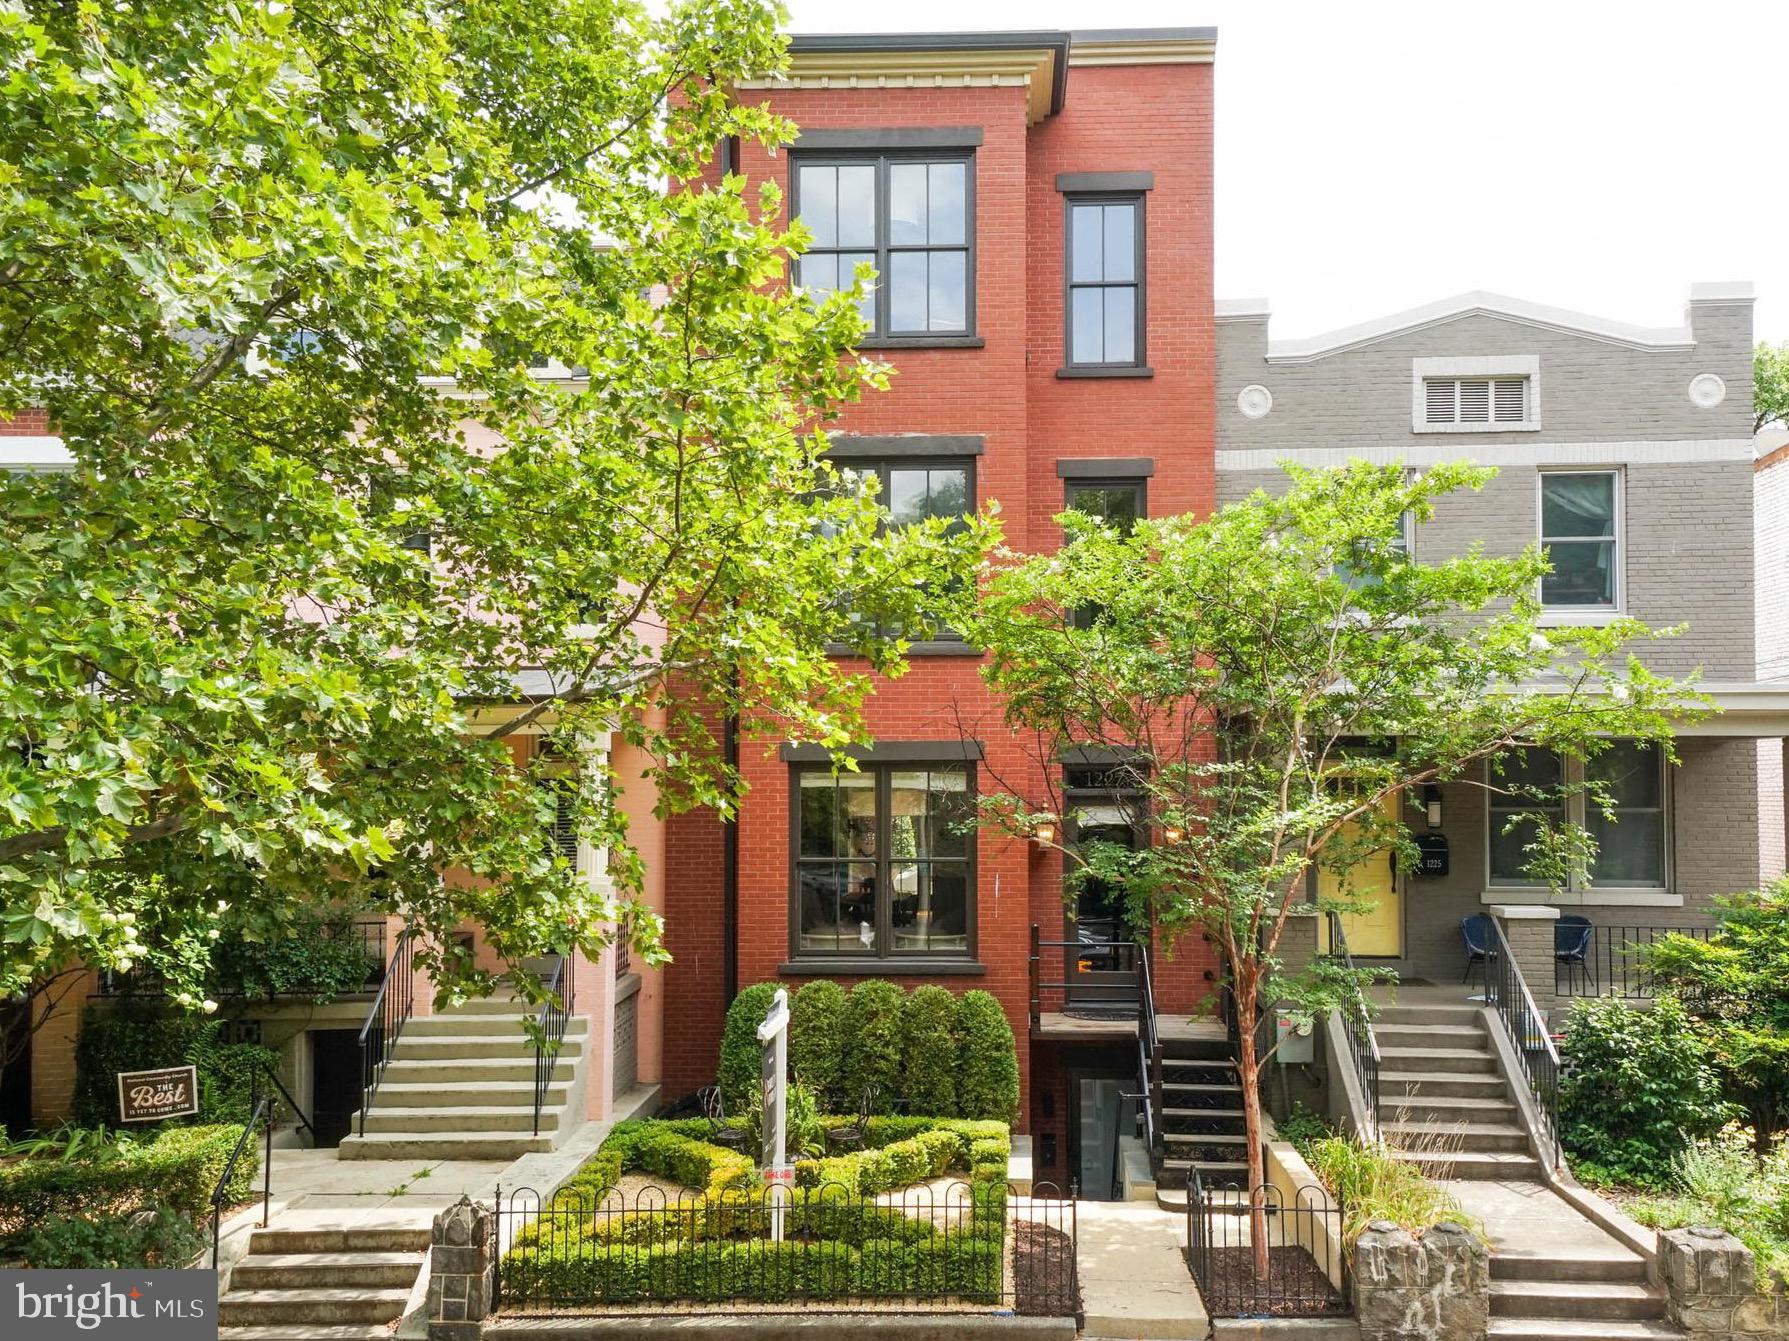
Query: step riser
pixel 1466 1170
pixel 1567 1269
pixel 1438 1112
pixel 1441 1087
pixel 460 1049
pixel 471 1096
pixel 400 1145
pixel 1425 1036
pixel 457 1073
pixel 261 1312
pixel 520 1119
pixel 1395 1017
pixel 270 1241
pixel 325 1276
pixel 1457 1142
pixel 1465 1063
pixel 1577 1306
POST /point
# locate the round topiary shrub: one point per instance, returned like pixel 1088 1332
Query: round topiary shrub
pixel 929 1021
pixel 988 1060
pixel 873 1051
pixel 738 1076
pixel 817 1040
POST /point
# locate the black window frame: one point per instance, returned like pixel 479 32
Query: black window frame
pixel 880 332
pixel 883 951
pixel 880 466
pixel 1138 364
pixel 1139 484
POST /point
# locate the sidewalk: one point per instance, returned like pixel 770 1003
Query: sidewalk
pixel 1134 1279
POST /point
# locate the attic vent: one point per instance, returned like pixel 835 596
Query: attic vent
pixel 1475 400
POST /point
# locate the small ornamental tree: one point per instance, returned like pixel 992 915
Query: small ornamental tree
pixel 1286 679
pixel 1736 984
pixel 873 1051
pixel 929 1067
pixel 817 1039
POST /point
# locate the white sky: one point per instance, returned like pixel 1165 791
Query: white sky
pixel 1375 155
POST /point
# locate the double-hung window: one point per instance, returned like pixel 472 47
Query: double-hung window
pixel 910 216
pixel 884 864
pixel 914 489
pixel 1580 529
pixel 1539 786
pixel 1105 281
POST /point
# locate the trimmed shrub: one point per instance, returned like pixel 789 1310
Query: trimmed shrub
pixel 153 1236
pixel 1640 1085
pixel 988 1060
pixel 873 1054
pixel 176 1171
pixel 817 1040
pixel 738 1075
pixel 929 1021
pixel 133 1039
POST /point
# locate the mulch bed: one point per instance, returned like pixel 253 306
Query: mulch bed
pixel 1296 1287
pixel 1044 1281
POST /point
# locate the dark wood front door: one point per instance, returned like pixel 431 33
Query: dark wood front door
pixel 335 1083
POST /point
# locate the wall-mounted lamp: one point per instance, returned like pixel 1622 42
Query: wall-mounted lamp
pixel 1043 828
pixel 1432 804
pixel 1172 834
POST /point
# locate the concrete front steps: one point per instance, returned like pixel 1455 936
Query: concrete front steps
pixel 1576 1298
pixel 1443 1101
pixel 321 1285
pixel 460 1085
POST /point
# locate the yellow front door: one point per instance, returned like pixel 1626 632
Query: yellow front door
pixel 1380 932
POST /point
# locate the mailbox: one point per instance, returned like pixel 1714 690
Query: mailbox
pixel 1431 855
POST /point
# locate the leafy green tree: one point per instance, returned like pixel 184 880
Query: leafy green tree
pixel 1287 680
pixel 277 274
pixel 1770 385
pixel 1736 984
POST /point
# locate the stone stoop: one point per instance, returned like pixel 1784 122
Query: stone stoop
pixel 460 1086
pixel 321 1284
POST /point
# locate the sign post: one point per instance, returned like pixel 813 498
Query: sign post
pixel 773 1071
pixel 150 1096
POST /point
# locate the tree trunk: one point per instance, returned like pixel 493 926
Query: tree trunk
pixel 1248 1075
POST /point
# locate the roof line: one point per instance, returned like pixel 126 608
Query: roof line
pixel 1055 40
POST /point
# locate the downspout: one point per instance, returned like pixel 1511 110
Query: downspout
pixel 730 870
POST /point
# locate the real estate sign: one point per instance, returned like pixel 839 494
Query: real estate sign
pixel 773 1071
pixel 149 1096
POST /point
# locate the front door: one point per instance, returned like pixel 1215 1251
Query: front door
pixel 335 1083
pixel 1103 968
pixel 1379 932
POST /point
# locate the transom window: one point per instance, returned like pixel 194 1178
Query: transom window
pixel 1475 400
pixel 1105 281
pixel 908 216
pixel 1630 844
pixel 883 863
pixel 1580 530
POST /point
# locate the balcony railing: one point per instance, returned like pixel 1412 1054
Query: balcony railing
pixel 144 981
pixel 1606 960
pixel 1087 976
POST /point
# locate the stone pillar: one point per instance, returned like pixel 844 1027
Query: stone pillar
pixel 462 1271
pixel 1712 1290
pixel 1437 1287
pixel 1529 930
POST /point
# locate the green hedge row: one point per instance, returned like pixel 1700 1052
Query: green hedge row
pixel 927 1050
pixel 756 1270
pixel 672 1150
pixel 177 1170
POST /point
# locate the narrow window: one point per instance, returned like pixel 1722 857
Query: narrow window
pixel 1630 851
pixel 1528 792
pixel 1105 281
pixel 1579 531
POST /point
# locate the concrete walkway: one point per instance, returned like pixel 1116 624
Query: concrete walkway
pixel 1134 1279
pixel 1530 1220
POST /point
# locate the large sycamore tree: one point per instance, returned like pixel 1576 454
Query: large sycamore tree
pixel 277 273
pixel 1284 680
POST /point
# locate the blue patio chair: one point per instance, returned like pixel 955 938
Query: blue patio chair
pixel 1571 951
pixel 1476 931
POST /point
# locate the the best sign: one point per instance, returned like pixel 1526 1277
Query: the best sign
pixel 149 1096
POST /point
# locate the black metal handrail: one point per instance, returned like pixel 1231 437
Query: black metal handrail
pixel 1114 996
pixel 1149 1051
pixel 1609 961
pixel 1357 1027
pixel 555 1014
pixel 258 1113
pixel 1507 995
pixel 385 1020
pixel 285 1095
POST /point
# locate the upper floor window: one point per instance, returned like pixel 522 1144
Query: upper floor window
pixel 1475 400
pixel 1105 281
pixel 1120 503
pixel 911 217
pixel 911 490
pixel 1580 529
pixel 1542 787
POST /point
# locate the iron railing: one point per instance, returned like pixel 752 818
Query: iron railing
pixel 1357 1027
pixel 1307 1273
pixel 1507 995
pixel 931 1248
pixel 146 981
pixel 1610 962
pixel 1149 1054
pixel 1076 985
pixel 555 1014
pixel 258 1113
pixel 385 1020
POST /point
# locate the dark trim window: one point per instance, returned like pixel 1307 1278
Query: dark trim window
pixel 1104 280
pixel 883 863
pixel 1580 515
pixel 912 489
pixel 1632 842
pixel 1120 503
pixel 908 214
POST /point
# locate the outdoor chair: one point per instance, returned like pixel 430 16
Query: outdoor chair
pixel 851 1135
pixel 1476 931
pixel 722 1130
pixel 1571 950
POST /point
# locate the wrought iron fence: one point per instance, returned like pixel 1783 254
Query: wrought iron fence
pixel 931 1248
pixel 1607 959
pixel 1307 1266
pixel 1507 995
pixel 146 981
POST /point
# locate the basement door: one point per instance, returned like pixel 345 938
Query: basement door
pixel 335 1083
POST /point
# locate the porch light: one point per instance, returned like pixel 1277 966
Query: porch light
pixel 1172 834
pixel 1043 828
pixel 1432 804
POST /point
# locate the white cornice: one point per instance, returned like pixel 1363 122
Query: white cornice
pixel 1030 68
pixel 1670 452
pixel 1476 304
pixel 1160 51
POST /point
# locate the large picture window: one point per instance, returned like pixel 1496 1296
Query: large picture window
pixel 884 866
pixel 1631 841
pixel 910 216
